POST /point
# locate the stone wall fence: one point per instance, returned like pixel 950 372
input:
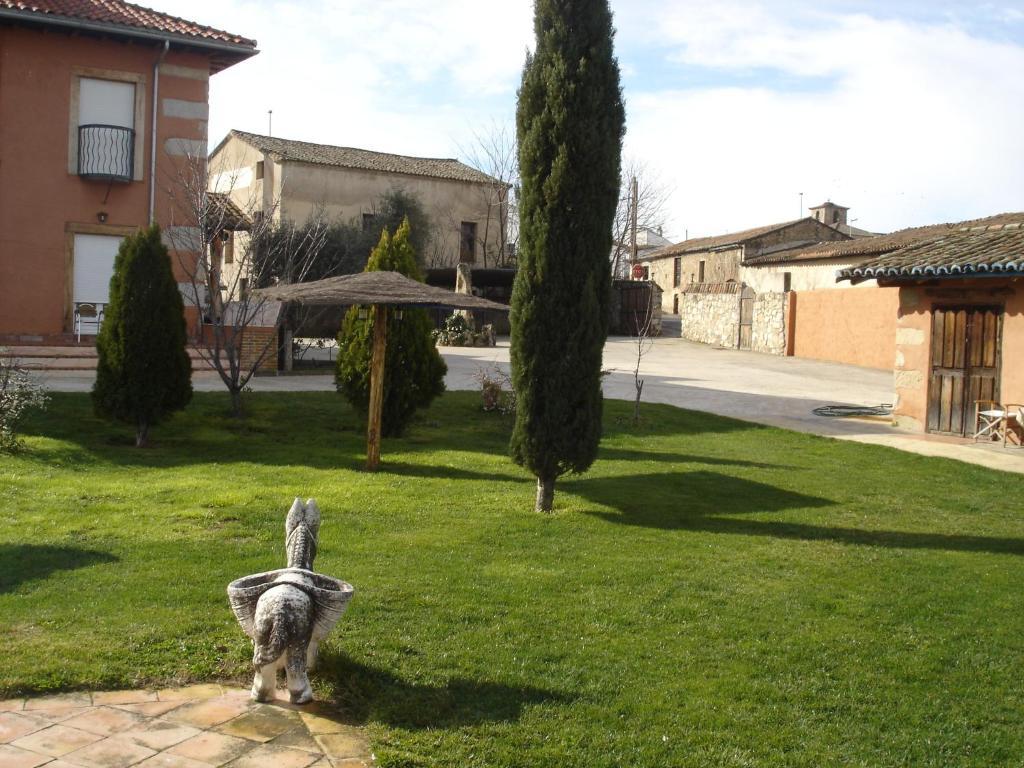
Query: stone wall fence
pixel 768 332
pixel 710 314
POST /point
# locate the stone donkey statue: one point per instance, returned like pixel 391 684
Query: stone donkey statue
pixel 288 612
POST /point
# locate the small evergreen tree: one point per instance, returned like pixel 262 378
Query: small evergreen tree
pixel 413 369
pixel 569 123
pixel 143 372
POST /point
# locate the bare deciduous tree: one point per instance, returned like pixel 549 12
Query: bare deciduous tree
pixel 651 204
pixel 493 151
pixel 644 343
pixel 229 242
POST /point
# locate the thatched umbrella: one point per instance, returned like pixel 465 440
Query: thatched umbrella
pixel 379 290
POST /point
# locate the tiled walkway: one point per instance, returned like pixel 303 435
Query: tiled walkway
pixel 194 727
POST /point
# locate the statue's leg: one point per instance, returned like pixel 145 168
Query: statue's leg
pixel 311 654
pixel 298 681
pixel 264 681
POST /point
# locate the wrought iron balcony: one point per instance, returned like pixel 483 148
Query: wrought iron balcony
pixel 106 152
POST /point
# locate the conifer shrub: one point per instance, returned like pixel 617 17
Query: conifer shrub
pixel 143 373
pixel 413 369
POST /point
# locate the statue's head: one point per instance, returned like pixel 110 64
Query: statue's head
pixel 301 529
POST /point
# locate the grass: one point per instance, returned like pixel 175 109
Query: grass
pixel 711 593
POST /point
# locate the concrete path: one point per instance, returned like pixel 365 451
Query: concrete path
pixel 198 726
pixel 778 391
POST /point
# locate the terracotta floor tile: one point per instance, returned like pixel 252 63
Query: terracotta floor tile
pixel 258 726
pixel 57 740
pixel 297 738
pixel 104 721
pixel 60 701
pixel 13 757
pixel 266 756
pixel 322 722
pixel 167 760
pixel 58 714
pixel 14 725
pixel 344 745
pixel 114 752
pixel 12 705
pixel 150 708
pixel 212 748
pixel 160 734
pixel 122 697
pixel 209 712
pixel 202 691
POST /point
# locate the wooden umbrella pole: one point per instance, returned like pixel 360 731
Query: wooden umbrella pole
pixel 380 336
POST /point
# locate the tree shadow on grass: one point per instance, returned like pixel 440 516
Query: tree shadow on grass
pixel 20 563
pixel 313 430
pixel 369 693
pixel 620 454
pixel 704 501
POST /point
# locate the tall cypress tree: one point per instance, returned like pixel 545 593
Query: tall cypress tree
pixel 143 371
pixel 570 121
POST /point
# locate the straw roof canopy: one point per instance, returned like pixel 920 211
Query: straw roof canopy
pixel 366 288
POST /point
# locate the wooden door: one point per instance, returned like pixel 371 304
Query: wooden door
pixel 966 355
pixel 746 317
pixel 636 308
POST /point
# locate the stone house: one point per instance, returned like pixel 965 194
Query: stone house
pixel 678 269
pixel 291 180
pixel 959 320
pixel 99 99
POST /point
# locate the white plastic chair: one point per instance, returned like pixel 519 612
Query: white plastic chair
pixel 88 314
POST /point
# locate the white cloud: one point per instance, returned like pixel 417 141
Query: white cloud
pixel 909 124
pixel 905 122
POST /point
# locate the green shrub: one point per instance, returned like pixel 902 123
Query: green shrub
pixel 143 372
pixel 413 368
pixel 18 394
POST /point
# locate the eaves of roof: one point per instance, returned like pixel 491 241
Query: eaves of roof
pixel 360 159
pixel 726 241
pixel 117 18
pixel 969 252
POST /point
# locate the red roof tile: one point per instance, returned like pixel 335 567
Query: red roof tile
pixel 122 14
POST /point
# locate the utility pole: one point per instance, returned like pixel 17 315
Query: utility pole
pixel 270 122
pixel 801 205
pixel 632 225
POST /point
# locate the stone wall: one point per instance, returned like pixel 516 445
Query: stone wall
pixel 711 318
pixel 768 332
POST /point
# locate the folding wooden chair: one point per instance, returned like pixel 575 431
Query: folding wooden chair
pixel 1013 426
pixel 989 420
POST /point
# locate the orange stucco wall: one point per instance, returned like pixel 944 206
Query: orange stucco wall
pixel 40 200
pixel 857 327
pixel 913 340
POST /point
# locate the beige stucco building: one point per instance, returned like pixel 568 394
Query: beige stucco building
pixel 291 180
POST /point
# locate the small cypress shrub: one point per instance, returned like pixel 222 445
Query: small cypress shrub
pixel 144 372
pixel 413 368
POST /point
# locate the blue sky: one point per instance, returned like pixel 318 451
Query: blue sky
pixel 907 112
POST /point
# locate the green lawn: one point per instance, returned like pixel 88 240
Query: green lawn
pixel 711 593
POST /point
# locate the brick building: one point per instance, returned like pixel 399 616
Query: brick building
pixel 101 104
